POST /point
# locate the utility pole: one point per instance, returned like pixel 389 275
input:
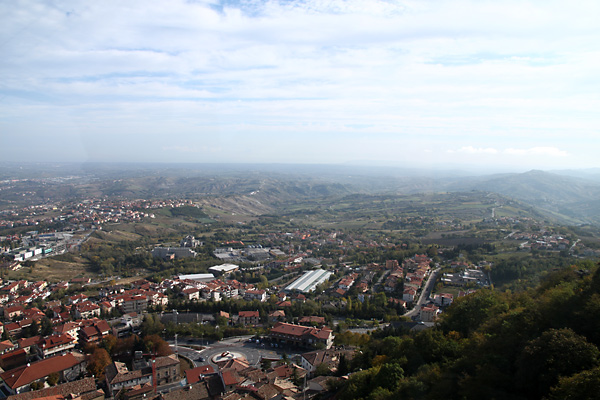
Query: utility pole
pixel 304 387
pixel 176 348
pixel 154 383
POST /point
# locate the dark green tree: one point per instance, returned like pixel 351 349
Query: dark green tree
pixel 581 386
pixel 556 353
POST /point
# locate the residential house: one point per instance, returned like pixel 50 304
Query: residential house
pixel 13 312
pixel 11 288
pixel 13 359
pixel 276 316
pixel 428 313
pixel 167 369
pixel 409 294
pixel 199 373
pixel 283 304
pixel 28 343
pixel 78 298
pixel 191 294
pixel 311 360
pixel 300 335
pixel 259 295
pixel 443 299
pixel 86 310
pixel 159 299
pixel 346 282
pixel 207 389
pixel 83 389
pixel 94 333
pixel 15 328
pixel 39 286
pixel 137 304
pixel 54 345
pixel 68 366
pixel 318 385
pixel 249 318
pixel 106 306
pixel 7 346
pixel 118 376
pixel 69 328
pixel 34 313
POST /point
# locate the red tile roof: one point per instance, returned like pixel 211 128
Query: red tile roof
pixel 230 378
pixel 84 385
pixel 22 376
pixel 55 341
pixel 300 330
pixel 248 314
pixel 194 375
pixel 6 345
pixel 23 343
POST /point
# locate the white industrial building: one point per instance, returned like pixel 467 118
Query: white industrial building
pixel 224 268
pixel 309 281
pixel 198 277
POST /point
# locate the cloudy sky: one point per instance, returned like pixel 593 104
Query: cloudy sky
pixel 510 85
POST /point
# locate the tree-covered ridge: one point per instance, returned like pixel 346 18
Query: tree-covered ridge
pixel 542 343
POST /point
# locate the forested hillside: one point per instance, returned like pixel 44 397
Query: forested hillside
pixel 489 345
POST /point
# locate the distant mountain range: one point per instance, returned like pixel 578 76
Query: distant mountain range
pixel 570 197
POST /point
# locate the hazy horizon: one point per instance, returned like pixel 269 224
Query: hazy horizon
pixel 462 85
pixel 362 168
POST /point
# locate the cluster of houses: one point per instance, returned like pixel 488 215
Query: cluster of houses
pixel 40 345
pixel 410 276
pixel 361 282
pixel 395 278
pixel 234 377
pixel 467 277
pixel 51 365
pixel 543 241
pixel 195 288
pixel 88 212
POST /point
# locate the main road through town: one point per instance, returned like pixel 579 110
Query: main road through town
pixel 425 293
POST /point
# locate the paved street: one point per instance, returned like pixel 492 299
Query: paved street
pixel 250 351
pixel 425 293
pixel 188 353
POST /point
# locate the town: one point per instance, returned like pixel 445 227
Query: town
pixel 130 299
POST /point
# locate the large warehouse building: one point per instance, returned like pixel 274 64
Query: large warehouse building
pixel 309 281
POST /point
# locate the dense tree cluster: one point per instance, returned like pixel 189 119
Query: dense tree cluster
pixel 542 343
pixel 114 349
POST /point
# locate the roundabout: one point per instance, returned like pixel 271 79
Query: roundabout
pixel 226 356
pixel 234 348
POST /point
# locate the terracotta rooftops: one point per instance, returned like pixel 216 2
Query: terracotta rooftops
pixel 22 376
pixel 194 375
pixel 300 330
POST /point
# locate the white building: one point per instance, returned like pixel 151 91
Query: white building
pixel 309 281
pixel 224 268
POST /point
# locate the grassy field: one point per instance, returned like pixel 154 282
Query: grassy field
pixel 373 213
pixel 53 269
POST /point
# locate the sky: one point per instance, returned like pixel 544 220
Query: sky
pixel 483 84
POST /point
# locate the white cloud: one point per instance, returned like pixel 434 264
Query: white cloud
pixel 432 73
